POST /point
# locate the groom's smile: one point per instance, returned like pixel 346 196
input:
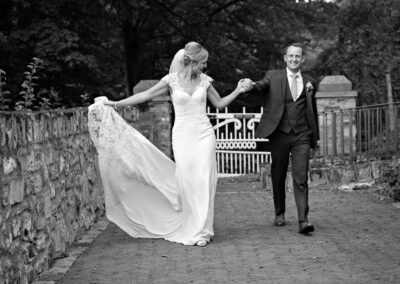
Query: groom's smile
pixel 294 58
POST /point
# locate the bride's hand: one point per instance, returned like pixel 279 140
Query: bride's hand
pixel 110 103
pixel 240 87
pixel 105 101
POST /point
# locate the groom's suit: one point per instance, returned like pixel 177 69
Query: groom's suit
pixel 292 128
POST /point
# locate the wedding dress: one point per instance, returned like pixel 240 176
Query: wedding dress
pixel 146 193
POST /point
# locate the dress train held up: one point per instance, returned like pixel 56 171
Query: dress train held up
pixel 146 193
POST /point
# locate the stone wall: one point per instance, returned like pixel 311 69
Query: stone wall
pixel 341 175
pixel 154 122
pixel 350 176
pixel 50 188
pixel 156 118
pixel 50 184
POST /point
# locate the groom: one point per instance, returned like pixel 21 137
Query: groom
pixel 290 122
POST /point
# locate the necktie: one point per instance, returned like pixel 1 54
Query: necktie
pixel 293 87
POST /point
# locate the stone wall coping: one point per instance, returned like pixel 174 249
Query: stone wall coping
pixel 18 128
pixel 25 127
pixel 55 111
pixel 346 94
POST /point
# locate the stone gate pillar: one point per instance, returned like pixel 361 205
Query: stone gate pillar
pixel 334 96
pixel 155 118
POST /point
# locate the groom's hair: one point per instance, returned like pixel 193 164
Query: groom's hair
pixel 295 44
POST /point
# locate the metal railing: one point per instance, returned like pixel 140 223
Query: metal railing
pixel 236 149
pixel 346 136
pixel 359 134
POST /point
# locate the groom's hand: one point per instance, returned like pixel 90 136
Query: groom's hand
pixel 247 84
pixel 315 151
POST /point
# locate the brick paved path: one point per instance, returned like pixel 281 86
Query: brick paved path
pixel 357 240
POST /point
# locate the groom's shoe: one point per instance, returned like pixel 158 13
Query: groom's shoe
pixel 305 227
pixel 279 220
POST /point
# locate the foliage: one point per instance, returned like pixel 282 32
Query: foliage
pixel 104 47
pixel 367 48
pixel 28 85
pixel 391 178
pixel 29 99
pixel 72 38
pixel 85 97
pixel 49 99
pixel 3 93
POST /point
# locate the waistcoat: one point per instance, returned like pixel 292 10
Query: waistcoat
pixel 294 115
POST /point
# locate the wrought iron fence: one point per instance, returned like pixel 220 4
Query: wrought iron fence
pixel 361 133
pixel 238 151
pixel 346 135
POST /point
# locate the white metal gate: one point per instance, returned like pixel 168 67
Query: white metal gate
pixel 236 146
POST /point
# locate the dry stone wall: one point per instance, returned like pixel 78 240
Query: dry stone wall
pixel 50 185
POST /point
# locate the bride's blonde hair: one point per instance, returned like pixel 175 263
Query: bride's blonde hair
pixel 193 52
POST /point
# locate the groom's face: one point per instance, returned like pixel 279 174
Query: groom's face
pixel 294 58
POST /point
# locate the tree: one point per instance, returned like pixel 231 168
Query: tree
pixel 105 47
pixel 367 47
pixel 70 37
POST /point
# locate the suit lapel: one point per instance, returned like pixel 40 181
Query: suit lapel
pixel 284 83
pixel 310 113
pixel 304 84
pixel 304 79
pixel 308 95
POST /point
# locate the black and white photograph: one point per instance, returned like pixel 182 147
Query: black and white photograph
pixel 206 142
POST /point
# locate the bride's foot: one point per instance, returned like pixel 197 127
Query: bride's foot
pixel 201 243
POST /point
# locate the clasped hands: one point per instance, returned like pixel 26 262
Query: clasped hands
pixel 245 85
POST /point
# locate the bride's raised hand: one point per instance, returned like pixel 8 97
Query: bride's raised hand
pixel 110 103
pixel 105 101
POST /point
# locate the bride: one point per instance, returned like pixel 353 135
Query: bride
pixel 147 194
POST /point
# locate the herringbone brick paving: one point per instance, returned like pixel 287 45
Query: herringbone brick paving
pixel 357 240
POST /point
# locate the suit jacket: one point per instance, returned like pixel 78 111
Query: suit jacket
pixel 274 86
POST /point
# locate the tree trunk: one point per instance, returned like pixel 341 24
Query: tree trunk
pixel 390 100
pixel 132 61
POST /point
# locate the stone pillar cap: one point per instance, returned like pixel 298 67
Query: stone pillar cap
pixel 335 83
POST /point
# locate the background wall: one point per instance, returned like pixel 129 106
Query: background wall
pixel 50 184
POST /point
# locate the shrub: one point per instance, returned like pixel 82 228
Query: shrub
pixel 28 86
pixel 4 101
pixel 32 97
pixel 390 177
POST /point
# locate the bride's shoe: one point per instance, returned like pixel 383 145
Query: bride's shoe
pixel 201 243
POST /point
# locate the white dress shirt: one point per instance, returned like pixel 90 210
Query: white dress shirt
pixel 299 81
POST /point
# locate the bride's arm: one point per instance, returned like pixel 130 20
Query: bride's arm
pixel 158 89
pixel 219 102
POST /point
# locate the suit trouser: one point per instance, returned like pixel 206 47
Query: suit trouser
pixel 297 147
